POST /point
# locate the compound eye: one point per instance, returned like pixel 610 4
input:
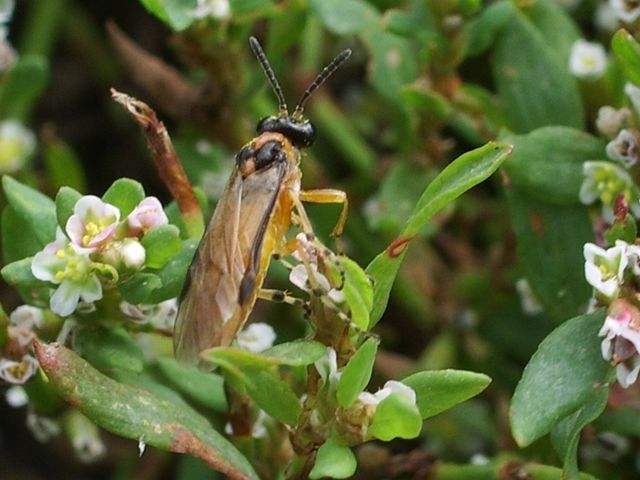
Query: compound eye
pixel 267 124
pixel 309 134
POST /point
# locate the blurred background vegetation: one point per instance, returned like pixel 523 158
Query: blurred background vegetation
pixel 426 82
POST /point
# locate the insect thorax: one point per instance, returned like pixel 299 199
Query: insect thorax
pixel 264 151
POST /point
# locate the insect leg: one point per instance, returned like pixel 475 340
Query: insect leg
pixel 279 296
pixel 329 195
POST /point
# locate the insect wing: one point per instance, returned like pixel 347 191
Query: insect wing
pixel 210 311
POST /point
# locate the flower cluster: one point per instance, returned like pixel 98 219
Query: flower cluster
pixel 611 272
pixel 607 181
pixel 17 143
pixel 17 363
pixel 95 244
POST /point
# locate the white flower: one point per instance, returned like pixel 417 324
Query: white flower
pixel 300 278
pixel 256 338
pixel 605 181
pixel 161 315
pixel 624 148
pixel 17 144
pixel 42 428
pixel 62 263
pixel 93 222
pixel 621 344
pixel 587 59
pixel 16 396
pixel 605 19
pixel 604 269
pixel 610 120
pixel 6 10
pixel 626 10
pixel 218 9
pixel 528 301
pixel 392 386
pixel 258 429
pixel 327 368
pixel 18 372
pixel 147 215
pixel 133 254
pixel 28 317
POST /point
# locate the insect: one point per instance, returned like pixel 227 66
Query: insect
pixel 261 200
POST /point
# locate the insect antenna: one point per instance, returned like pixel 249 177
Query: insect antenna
pixel 322 76
pixel 271 77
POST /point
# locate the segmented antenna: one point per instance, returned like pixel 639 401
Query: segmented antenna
pixel 322 76
pixel 271 77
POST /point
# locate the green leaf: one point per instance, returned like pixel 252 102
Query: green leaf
pixel 109 349
pixel 125 194
pixel 344 17
pixel 564 373
pixel 396 417
pixel 482 31
pixel 627 51
pixel 177 14
pixel 19 273
pixel 550 240
pixel 18 238
pixel 66 200
pixel 297 353
pixel 358 292
pixel 37 210
pixel 333 460
pixel 547 163
pixel 463 173
pixel 139 287
pixel 136 413
pixel 22 85
pixel 161 244
pixel 439 390
pixel 206 389
pixel 357 373
pixel 565 436
pixel 273 395
pixel 532 81
pixel 393 63
pixel 174 272
pixel 556 26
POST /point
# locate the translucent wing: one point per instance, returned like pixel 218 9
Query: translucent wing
pixel 224 276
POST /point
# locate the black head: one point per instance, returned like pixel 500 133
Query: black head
pixel 302 133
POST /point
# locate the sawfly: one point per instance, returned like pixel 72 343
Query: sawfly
pixel 261 200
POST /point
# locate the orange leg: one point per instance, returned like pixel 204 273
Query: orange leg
pixel 329 195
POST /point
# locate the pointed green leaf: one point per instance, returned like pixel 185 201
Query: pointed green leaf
pixel 22 85
pixel 344 17
pixel 273 395
pixel 177 14
pixel 627 51
pixel 357 372
pixel 19 273
pixel 358 292
pixel 296 353
pixel 18 238
pixel 138 414
pixel 564 373
pixel 439 390
pixel 174 272
pixel 138 288
pixel 463 173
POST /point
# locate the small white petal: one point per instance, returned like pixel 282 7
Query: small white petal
pixel 256 338
pixel 16 396
pixel 587 59
pixel 65 299
pixel 42 428
pixel 141 446
pixel 27 316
